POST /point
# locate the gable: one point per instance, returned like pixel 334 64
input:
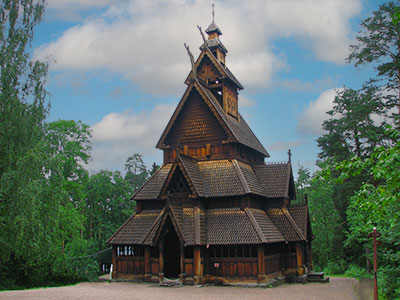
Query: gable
pixel 207 71
pixel 178 183
pixel 195 124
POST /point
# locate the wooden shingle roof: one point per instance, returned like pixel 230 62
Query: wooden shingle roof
pixel 237 129
pixel 152 187
pixel 230 226
pixel 286 224
pixel 222 226
pixel 138 229
pixel 301 217
pixel 275 179
pixel 220 178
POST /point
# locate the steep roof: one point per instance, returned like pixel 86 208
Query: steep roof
pixel 237 129
pixel 213 27
pixel 221 67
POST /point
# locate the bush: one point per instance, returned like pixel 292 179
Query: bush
pixel 357 272
pixel 336 267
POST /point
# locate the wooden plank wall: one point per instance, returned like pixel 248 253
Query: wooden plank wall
pixel 130 265
pixel 233 267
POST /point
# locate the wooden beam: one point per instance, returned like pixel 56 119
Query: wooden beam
pixel 161 262
pixel 197 265
pixel 147 263
pixel 182 262
pixel 114 273
pixel 261 263
pixel 299 256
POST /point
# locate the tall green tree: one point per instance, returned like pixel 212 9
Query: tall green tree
pixel 26 201
pixel 136 171
pixel 379 45
pixel 376 204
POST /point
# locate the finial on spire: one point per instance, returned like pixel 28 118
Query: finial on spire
pixel 290 155
pixel 213 11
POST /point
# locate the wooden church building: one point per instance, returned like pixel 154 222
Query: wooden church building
pixel 215 211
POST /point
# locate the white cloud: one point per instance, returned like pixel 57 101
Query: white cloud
pixel 311 119
pixel 143 40
pixel 245 101
pixel 118 135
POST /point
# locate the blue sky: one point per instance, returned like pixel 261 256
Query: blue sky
pixel 119 66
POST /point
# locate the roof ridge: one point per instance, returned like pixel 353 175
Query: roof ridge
pixel 293 223
pixel 253 222
pixel 153 225
pixel 170 210
pixel 196 217
pixel 190 177
pixel 241 176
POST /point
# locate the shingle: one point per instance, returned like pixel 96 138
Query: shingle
pixel 238 127
pixel 271 233
pixel 135 229
pixel 193 171
pixel 230 226
pixel 215 43
pixel 300 216
pixel 251 179
pixel 282 222
pixel 213 27
pixel 152 188
pixel 274 179
pixel 220 178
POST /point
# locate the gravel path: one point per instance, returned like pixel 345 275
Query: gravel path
pixel 337 289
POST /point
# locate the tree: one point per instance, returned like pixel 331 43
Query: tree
pixel 351 129
pixel 377 203
pixel 379 45
pixel 302 183
pixel 27 205
pixel 136 171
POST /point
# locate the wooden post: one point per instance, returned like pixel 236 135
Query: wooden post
pixel 374 234
pixel 161 263
pixel 147 264
pixel 261 263
pixel 197 265
pixel 182 258
pixel 114 273
pixel 299 255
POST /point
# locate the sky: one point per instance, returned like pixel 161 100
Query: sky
pixel 119 66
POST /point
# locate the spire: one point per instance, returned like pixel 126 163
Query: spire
pixel 213 31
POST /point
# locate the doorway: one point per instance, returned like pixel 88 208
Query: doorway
pixel 172 266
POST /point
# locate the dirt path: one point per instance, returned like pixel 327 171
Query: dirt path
pixel 337 289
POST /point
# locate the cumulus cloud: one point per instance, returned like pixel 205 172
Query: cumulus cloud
pixel 245 101
pixel 118 135
pixel 143 40
pixel 311 119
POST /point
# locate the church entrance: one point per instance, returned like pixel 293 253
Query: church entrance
pixel 172 267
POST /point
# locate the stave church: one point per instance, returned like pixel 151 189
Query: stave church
pixel 214 212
